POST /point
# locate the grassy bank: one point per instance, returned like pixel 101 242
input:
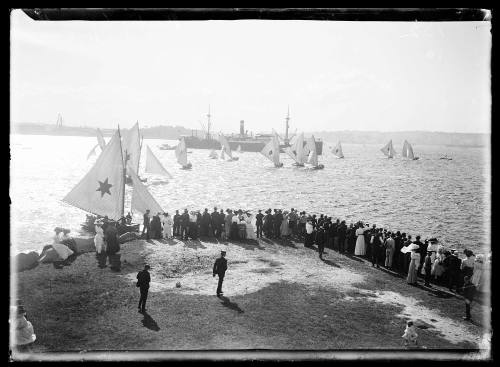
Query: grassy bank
pixel 277 296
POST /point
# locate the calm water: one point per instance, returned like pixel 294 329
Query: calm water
pixel 448 199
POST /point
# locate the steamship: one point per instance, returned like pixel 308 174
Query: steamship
pixel 247 142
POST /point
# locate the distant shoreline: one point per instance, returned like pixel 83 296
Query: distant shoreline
pixel 446 139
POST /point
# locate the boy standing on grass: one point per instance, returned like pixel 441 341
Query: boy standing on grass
pixel 220 268
pixel 410 335
pixel 143 279
pixel 468 291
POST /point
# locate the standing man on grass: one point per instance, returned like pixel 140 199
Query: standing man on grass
pixel 143 279
pixel 220 268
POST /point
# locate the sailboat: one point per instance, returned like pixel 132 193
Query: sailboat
pixel 213 154
pixel 239 149
pixel 131 146
pixel 226 147
pixel 102 190
pixel 388 150
pixel 272 152
pixel 222 156
pixel 101 143
pixel 446 157
pixel 181 155
pixel 338 150
pixel 296 151
pixel 408 151
pixel 313 155
pixel 154 166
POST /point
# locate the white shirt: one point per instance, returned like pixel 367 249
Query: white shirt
pixel 309 228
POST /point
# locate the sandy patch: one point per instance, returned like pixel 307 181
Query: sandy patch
pixel 249 269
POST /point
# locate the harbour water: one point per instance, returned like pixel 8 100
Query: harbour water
pixel 449 199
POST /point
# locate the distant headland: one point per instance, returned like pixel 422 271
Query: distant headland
pixel 350 137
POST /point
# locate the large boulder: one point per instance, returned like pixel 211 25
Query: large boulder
pixel 27 261
pixel 84 244
pixel 129 236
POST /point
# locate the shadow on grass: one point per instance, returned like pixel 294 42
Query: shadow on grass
pixel 231 305
pixel 248 244
pixel 168 241
pixel 279 241
pixel 331 263
pixel 149 323
pixel 194 244
pixel 352 257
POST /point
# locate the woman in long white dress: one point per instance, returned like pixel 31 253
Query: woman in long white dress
pixel 412 269
pixel 478 270
pixel 360 248
pixel 99 239
pixel 284 229
pixel 250 227
pixel 167 225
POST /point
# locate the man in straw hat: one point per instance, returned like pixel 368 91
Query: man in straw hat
pixel 220 268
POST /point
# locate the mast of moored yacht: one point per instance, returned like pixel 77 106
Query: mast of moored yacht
pixel 124 173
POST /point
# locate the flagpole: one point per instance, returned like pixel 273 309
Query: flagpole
pixel 124 175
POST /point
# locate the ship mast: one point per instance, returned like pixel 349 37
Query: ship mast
pixel 208 123
pixel 286 126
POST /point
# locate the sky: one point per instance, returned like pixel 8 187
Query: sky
pixel 368 76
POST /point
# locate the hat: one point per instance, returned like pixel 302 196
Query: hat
pixel 222 252
pixel 147 266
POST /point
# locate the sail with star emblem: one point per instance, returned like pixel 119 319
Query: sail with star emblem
pixel 141 197
pixel 132 147
pixel 101 191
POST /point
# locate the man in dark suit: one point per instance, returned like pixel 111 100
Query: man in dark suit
pixel 214 222
pixel 145 227
pixel 422 250
pixel 452 264
pixel 220 268
pixel 259 223
pixel 278 219
pixel 185 225
pixel 177 223
pixel 341 233
pixel 143 279
pixel 320 241
pixel 205 223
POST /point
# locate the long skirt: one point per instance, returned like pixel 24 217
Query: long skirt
pixel 167 231
pixel 285 230
pixel 412 273
pixel 360 248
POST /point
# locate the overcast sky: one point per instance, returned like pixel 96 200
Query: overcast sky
pixel 387 76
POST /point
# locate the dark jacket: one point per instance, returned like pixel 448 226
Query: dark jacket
pixel 258 218
pixel 143 279
pixel 146 219
pixel 177 219
pixel 214 217
pixel 220 266
pixel 185 219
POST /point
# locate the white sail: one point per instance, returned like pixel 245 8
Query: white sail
pixel 181 153
pixel 222 156
pixel 272 151
pixel 100 139
pixel 132 147
pixel 153 164
pixel 225 144
pixel 141 197
pixel 276 156
pixel 410 150
pixel 92 152
pixel 338 150
pixel 291 152
pixel 404 153
pixel 238 149
pixel 313 155
pixel 101 190
pixel 388 150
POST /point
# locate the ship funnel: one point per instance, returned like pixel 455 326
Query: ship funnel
pixel 242 127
